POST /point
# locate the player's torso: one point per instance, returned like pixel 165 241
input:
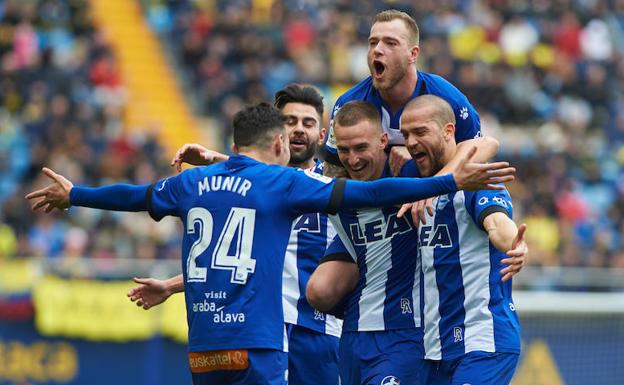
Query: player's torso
pixel 233 255
pixel 308 240
pixel 387 295
pixel 466 308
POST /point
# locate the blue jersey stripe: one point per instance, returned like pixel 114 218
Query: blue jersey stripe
pixel 444 236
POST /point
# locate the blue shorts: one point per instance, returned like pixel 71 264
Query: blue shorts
pixel 474 368
pixel 239 367
pixel 312 357
pixel 381 357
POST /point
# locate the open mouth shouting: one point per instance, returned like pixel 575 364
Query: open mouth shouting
pixel 378 68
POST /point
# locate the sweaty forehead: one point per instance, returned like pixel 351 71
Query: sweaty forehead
pixel 394 28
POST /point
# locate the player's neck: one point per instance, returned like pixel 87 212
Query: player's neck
pixel 303 165
pixel 260 156
pixel 399 95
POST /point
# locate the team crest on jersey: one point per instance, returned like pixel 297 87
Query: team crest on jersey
pixel 458 334
pixel 406 308
pixel 318 315
pixel 390 380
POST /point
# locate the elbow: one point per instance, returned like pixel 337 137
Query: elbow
pixel 492 145
pixel 319 296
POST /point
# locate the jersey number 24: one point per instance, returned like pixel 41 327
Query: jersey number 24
pixel 240 223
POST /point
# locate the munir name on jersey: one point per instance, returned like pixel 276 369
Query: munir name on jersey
pixel 234 184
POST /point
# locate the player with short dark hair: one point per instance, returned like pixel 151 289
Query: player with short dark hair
pixel 311 333
pixel 236 216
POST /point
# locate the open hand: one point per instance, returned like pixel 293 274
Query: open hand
pixel 197 155
pixel 149 293
pixel 53 196
pixel 482 176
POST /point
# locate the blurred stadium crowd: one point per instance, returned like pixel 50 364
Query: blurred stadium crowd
pixel 546 77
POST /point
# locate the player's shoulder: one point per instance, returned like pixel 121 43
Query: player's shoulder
pixel 439 86
pixel 359 91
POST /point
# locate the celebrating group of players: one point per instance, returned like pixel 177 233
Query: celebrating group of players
pixel 291 276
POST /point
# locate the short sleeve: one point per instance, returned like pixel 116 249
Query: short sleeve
pixel 485 202
pixel 312 192
pixel 163 197
pixel 468 123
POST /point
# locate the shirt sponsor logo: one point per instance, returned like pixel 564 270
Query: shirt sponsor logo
pixel 377 230
pixel 435 236
pixel 202 362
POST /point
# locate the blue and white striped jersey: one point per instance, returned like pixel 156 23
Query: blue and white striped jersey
pixel 468 122
pixel 387 296
pixel 309 237
pixel 385 248
pixel 466 306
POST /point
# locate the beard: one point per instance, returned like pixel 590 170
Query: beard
pixel 436 160
pixel 303 155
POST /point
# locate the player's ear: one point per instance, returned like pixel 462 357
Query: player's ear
pixel 322 134
pixel 414 51
pixel 448 131
pixel 278 145
pixel 234 148
pixel 384 140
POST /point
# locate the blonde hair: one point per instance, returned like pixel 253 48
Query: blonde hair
pixel 410 23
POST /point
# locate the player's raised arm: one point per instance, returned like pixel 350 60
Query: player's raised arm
pixel 197 155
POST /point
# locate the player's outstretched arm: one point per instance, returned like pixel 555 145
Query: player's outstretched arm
pixel 486 149
pixel 152 292
pixel 54 195
pixel 62 194
pixel 509 238
pixel 330 282
pixel 197 155
pixel 393 191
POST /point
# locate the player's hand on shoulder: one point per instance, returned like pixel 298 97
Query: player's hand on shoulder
pixel 482 176
pixel 197 155
pixel 516 256
pixel 398 157
pixel 417 209
pixel 54 195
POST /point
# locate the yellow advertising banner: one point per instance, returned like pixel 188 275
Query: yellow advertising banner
pixel 101 311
